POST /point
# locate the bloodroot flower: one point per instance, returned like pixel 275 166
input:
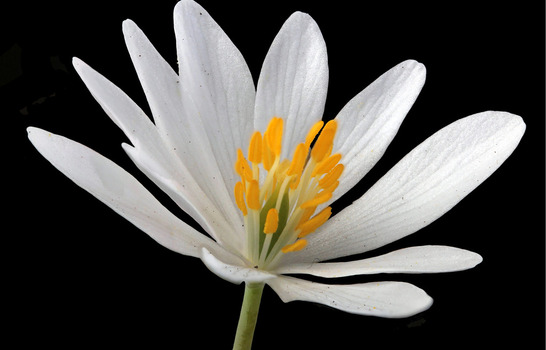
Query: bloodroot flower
pixel 258 169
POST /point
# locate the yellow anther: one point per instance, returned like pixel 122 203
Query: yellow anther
pixel 313 132
pixel 294 247
pixel 271 221
pixel 325 141
pixel 326 164
pixel 239 197
pixel 332 187
pixel 268 157
pixel 241 166
pixel 315 222
pixel 273 135
pixel 320 198
pixel 298 161
pixel 253 195
pixel 330 178
pixel 291 188
pixel 255 148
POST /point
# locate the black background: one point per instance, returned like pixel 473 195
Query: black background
pixel 77 274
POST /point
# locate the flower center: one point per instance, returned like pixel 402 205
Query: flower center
pixel 279 198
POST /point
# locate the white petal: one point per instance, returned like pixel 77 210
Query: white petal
pixel 162 88
pixel 234 273
pixel 122 192
pixel 382 299
pixel 369 122
pixel 216 81
pixel 424 259
pixel 123 111
pixel 158 161
pixel 159 81
pixel 424 185
pixel 196 204
pixel 179 120
pixel 294 80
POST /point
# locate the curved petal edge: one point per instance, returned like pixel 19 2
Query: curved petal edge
pixel 381 299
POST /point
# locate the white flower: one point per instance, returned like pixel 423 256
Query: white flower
pixel 198 150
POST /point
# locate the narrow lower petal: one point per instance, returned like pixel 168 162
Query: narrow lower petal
pixel 369 122
pixel 424 185
pixel 234 273
pixel 381 299
pixel 123 193
pixel 424 259
pixel 293 81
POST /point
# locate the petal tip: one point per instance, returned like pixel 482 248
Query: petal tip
pixel 419 302
pixel 128 25
pixel 415 66
pixel 186 5
pixel 35 134
pixel 80 66
pixel 476 259
pixel 76 61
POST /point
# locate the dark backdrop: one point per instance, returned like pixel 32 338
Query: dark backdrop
pixel 76 273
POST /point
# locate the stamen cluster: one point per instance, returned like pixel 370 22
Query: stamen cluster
pixel 278 198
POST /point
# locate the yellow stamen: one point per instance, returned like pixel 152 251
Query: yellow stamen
pixel 273 135
pixel 241 166
pixel 325 141
pixel 291 190
pixel 239 197
pixel 294 247
pixel 311 225
pixel 268 157
pixel 255 148
pixel 253 195
pixel 326 164
pixel 298 161
pixel 330 178
pixel 271 221
pixel 320 198
pixel 313 133
pixel 332 187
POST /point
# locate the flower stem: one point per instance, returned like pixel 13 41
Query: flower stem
pixel 249 316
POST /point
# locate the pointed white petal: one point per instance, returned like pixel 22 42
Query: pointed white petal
pixel 122 192
pixel 151 152
pixel 123 111
pixel 234 273
pixel 293 80
pixel 218 87
pixel 424 259
pixel 178 119
pixel 159 81
pixel 369 122
pixel 424 185
pixel 382 299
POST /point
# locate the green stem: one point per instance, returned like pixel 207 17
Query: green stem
pixel 249 316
